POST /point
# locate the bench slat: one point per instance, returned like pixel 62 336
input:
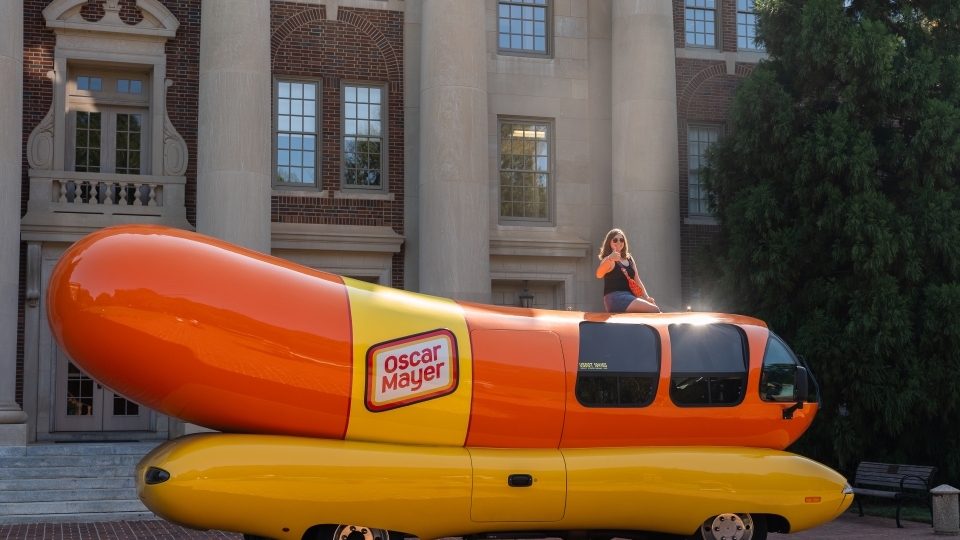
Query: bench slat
pixel 878 493
pixel 890 475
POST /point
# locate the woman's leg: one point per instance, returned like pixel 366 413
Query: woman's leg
pixel 642 306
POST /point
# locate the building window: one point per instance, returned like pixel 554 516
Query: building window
pixel 525 169
pixel 107 133
pixel 296 142
pixel 364 137
pixel 747 26
pixel 523 26
pixel 128 143
pixel 87 137
pixel 699 139
pixel 127 86
pixel 92 84
pixel 701 23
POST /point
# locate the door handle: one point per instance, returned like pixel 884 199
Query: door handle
pixel 519 480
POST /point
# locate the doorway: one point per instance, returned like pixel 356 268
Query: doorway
pixel 83 404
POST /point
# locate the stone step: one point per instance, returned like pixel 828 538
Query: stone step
pixel 79 449
pixel 116 482
pixel 76 517
pixel 70 507
pixel 69 461
pixel 26 473
pixel 53 495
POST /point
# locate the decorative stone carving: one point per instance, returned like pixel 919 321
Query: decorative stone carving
pixel 157 19
pixel 40 143
pixel 174 150
pixel 174 147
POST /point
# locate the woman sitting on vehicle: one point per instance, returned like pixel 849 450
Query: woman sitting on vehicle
pixel 623 292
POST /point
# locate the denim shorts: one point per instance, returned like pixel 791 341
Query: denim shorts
pixel 617 301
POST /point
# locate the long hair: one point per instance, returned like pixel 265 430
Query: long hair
pixel 605 248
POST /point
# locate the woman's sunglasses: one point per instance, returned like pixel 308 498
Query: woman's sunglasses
pixel 616 241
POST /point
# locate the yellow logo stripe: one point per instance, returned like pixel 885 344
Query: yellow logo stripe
pixel 383 319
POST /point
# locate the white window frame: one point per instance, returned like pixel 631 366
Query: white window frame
pixel 383 188
pixel 548 31
pixel 317 133
pixel 550 172
pixel 693 6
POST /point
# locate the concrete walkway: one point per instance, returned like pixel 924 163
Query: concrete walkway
pixel 846 527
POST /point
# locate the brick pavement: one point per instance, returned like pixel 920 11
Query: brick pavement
pixel 846 527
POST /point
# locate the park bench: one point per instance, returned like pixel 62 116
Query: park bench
pixel 899 482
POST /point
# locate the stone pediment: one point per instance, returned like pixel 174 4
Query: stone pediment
pixel 157 20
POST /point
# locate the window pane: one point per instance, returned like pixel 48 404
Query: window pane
pixel 136 87
pixel 707 348
pixel 83 83
pixel 778 378
pixel 699 140
pixel 87 142
pixel 522 27
pixel 637 390
pixel 689 390
pixel 597 390
pixel 726 390
pixel 296 125
pixel 524 147
pixel 619 348
pixel 123 86
pixel 362 156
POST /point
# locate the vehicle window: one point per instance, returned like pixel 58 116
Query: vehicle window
pixel 619 365
pixel 779 368
pixel 709 364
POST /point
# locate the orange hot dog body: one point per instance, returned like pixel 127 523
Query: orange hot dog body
pixel 237 341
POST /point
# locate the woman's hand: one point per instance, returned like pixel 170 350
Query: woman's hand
pixel 614 256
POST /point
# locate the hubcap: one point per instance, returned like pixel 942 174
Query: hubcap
pixel 357 532
pixel 728 527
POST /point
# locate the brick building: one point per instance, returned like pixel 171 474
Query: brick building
pixel 463 148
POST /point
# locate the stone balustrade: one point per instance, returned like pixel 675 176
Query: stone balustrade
pixel 61 200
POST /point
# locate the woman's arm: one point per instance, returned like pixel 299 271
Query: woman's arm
pixel 606 265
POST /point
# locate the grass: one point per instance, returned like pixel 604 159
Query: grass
pixel 911 511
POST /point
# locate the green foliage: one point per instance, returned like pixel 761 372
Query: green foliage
pixel 838 198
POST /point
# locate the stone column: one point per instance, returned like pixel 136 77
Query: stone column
pixel 411 151
pixel 12 426
pixel 454 186
pixel 646 189
pixel 233 144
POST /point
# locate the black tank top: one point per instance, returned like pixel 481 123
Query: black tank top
pixel 616 281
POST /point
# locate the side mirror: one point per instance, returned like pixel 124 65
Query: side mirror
pixel 801 392
pixel 801 384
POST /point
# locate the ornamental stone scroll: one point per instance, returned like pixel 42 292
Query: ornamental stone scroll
pixel 175 155
pixel 40 142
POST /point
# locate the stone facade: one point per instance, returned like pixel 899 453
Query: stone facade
pixel 618 151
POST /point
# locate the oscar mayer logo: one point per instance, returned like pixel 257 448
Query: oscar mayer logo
pixel 411 369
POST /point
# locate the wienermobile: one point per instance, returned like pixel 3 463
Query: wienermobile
pixel 351 411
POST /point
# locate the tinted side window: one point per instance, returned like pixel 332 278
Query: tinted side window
pixel 619 365
pixel 709 364
pixel 779 372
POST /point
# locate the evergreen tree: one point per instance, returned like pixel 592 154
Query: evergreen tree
pixel 838 199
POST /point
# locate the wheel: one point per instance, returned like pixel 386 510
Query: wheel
pixel 358 532
pixel 733 527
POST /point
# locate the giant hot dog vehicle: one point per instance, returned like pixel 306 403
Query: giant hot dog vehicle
pixel 352 411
